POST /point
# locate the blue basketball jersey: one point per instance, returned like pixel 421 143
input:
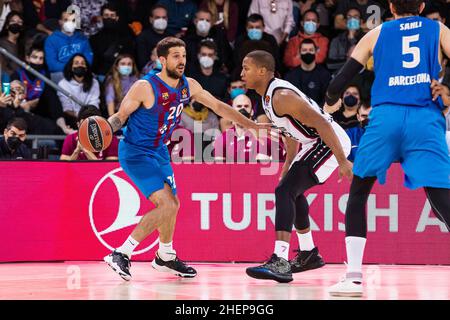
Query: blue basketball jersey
pixel 406 60
pixel 152 128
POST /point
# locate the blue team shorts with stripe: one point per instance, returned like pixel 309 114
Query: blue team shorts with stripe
pixel 413 136
pixel 149 169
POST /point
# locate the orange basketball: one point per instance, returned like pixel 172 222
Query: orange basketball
pixel 95 134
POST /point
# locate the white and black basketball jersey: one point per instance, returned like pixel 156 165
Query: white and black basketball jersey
pixel 287 125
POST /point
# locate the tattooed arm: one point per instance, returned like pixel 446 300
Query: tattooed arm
pixel 141 93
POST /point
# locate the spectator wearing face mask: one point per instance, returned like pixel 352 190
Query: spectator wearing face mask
pixel 12 146
pixel 205 72
pixel 343 6
pixel 238 144
pixel 62 45
pixel 40 99
pixel 11 39
pixel 72 148
pixel 310 24
pixel 355 133
pixel 181 13
pixel 148 39
pixel 113 39
pixel 201 30
pixel 80 82
pixel 225 15
pixel 278 17
pixel 255 38
pixel 119 80
pixel 340 45
pixel 346 115
pixel 312 79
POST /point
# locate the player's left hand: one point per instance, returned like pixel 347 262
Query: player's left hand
pixel 345 170
pixel 262 130
pixel 332 109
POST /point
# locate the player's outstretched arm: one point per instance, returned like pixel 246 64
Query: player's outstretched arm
pixel 286 102
pixel 141 92
pixel 222 109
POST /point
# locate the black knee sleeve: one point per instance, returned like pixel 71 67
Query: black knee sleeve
pixel 301 221
pixel 439 199
pixel 355 214
pixel 295 183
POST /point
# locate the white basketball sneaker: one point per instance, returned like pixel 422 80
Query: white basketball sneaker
pixel 349 286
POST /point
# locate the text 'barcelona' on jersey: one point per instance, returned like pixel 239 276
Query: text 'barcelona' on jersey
pixel 152 128
pixel 406 60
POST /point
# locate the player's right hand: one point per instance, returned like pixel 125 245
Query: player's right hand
pixel 346 170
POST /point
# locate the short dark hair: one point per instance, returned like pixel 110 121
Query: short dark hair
pixel 262 59
pixel 353 8
pixel 311 11
pixel 110 7
pixel 157 6
pixel 18 123
pixel 163 46
pixel 35 48
pixel 438 8
pixel 88 111
pixel 403 7
pixel 308 41
pixel 365 103
pixel 255 18
pixel 208 43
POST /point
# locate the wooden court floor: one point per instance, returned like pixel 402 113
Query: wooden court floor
pixel 83 280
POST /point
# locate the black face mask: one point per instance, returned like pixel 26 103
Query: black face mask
pixel 245 113
pixel 13 143
pixel 365 123
pixel 350 101
pixel 37 67
pixel 197 107
pixel 79 71
pixel 15 28
pixel 109 23
pixel 308 58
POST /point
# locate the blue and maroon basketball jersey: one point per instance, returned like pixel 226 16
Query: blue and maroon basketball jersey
pixel 152 128
pixel 406 60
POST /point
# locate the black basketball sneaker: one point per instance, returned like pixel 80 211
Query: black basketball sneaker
pixel 306 260
pixel 120 263
pixel 176 267
pixel 276 268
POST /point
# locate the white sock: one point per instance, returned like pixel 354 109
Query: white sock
pixel 355 251
pixel 282 249
pixel 305 241
pixel 128 246
pixel 166 251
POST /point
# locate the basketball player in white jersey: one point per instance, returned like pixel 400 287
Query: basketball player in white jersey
pixel 324 147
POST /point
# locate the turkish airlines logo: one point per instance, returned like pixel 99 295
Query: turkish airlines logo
pixel 108 218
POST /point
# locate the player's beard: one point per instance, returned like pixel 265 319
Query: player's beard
pixel 173 73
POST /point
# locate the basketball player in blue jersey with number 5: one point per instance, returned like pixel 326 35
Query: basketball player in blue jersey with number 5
pixel 153 107
pixel 406 124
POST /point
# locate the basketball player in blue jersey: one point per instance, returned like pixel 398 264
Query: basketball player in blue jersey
pixel 153 107
pixel 405 125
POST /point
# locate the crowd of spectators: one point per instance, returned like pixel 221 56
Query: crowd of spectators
pixel 96 50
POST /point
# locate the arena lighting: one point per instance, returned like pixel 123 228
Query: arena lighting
pixel 4 52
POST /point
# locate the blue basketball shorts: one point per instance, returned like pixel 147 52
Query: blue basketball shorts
pixel 148 169
pixel 413 136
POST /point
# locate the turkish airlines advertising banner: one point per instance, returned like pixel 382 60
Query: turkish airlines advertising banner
pixel 81 211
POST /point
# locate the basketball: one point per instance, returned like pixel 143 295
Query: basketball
pixel 95 134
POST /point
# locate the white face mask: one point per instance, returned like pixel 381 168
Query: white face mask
pixel 69 26
pixel 206 62
pixel 160 24
pixel 203 26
